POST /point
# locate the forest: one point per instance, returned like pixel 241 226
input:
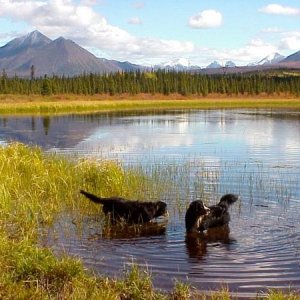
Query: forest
pixel 156 82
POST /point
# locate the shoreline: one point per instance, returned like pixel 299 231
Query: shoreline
pixel 16 104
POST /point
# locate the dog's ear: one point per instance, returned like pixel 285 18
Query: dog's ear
pixel 161 208
pixel 162 204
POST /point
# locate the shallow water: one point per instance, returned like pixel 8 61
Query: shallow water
pixel 255 154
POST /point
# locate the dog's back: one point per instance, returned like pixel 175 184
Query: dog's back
pixel 129 211
pixel 100 200
pixel 219 214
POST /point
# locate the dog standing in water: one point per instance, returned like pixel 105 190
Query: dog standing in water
pixel 200 217
pixel 132 212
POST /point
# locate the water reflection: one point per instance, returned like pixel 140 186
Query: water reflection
pixel 213 134
pixel 197 243
pixel 251 153
pixel 125 231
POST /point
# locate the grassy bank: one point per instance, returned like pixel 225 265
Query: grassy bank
pixel 34 188
pixel 10 104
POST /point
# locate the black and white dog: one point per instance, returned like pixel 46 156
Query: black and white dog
pixel 132 212
pixel 199 217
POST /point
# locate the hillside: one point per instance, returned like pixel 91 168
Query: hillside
pixel 59 57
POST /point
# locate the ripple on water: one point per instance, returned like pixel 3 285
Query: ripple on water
pixel 254 154
pixel 257 252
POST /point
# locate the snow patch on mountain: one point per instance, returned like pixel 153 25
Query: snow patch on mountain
pixel 271 59
pixel 179 64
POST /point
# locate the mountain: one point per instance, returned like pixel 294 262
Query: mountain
pixel 230 64
pixel 63 56
pixel 126 65
pixel 271 59
pixel 180 64
pixel 59 57
pixel 292 58
pixel 214 65
pixel 22 49
pixel 24 45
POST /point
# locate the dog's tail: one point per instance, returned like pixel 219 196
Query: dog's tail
pixel 228 199
pixel 92 197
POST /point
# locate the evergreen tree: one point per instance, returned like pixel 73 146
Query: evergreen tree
pixel 46 89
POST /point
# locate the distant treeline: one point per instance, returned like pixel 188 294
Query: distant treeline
pixel 162 82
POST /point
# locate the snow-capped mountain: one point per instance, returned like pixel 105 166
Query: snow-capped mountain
pixel 214 65
pixel 183 62
pixel 180 64
pixel 230 64
pixel 271 59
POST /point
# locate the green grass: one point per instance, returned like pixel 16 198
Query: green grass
pixel 279 295
pixel 74 104
pixel 34 188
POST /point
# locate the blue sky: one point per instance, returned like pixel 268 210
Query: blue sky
pixel 155 31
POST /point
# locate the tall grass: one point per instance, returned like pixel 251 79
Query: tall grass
pixel 34 188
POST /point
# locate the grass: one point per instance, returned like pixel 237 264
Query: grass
pixel 34 188
pixel 10 104
pixel 279 295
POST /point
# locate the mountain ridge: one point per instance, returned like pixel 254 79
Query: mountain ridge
pixel 65 57
pixel 53 57
pixel 295 57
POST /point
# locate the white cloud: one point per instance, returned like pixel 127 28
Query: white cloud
pixel 88 2
pixel 135 21
pixel 277 9
pixel 206 19
pixel 21 10
pixel 8 35
pixel 79 21
pixel 254 51
pixel 290 41
pixel 85 26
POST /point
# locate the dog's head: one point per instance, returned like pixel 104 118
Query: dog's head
pixel 161 209
pixel 194 214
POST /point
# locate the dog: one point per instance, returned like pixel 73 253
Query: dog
pixel 199 217
pixel 132 212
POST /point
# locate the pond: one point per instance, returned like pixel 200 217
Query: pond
pixel 253 153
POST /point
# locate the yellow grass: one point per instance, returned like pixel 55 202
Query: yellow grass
pixel 13 104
